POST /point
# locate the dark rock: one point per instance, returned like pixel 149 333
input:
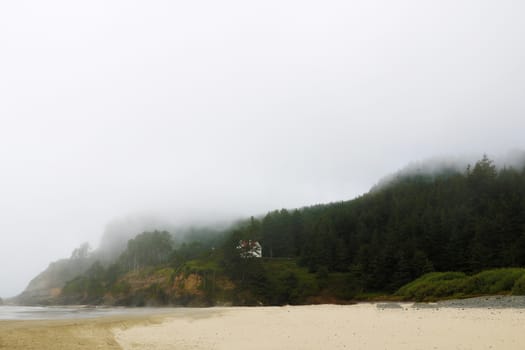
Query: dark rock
pixel 487 302
pixel 389 306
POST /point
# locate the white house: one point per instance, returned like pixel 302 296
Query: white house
pixel 249 249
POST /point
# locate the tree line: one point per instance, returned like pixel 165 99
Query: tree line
pixel 451 221
pixel 465 221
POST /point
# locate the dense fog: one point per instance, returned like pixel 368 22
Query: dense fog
pixel 141 115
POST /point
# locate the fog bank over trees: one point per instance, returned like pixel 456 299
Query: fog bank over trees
pixel 441 165
pixel 218 110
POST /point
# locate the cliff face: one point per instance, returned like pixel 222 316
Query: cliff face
pixel 47 286
pixel 152 287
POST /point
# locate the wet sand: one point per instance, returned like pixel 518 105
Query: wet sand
pixel 65 334
pixel 361 326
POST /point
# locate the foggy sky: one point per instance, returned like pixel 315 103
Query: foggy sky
pixel 210 110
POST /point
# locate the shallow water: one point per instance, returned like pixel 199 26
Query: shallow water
pixel 67 312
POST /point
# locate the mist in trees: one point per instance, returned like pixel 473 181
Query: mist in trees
pixel 450 220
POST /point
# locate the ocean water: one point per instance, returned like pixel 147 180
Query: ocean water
pixel 70 312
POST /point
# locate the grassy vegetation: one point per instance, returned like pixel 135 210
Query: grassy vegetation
pixel 286 282
pixel 447 285
pixel 208 280
pixel 202 266
pixel 519 286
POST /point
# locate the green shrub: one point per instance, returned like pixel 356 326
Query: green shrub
pixel 442 285
pixel 75 286
pixel 433 285
pixel 519 286
pixel 493 281
pixel 286 282
pixel 122 287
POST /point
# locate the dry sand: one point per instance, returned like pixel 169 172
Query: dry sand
pixel 362 326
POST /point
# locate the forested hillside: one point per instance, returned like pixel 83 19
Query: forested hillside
pixel 453 221
pixel 464 221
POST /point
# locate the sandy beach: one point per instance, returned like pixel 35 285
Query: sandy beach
pixel 361 326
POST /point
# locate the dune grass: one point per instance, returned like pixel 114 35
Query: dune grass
pixel 448 285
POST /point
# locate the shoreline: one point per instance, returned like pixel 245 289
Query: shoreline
pixel 86 333
pixel 361 326
pixel 63 334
